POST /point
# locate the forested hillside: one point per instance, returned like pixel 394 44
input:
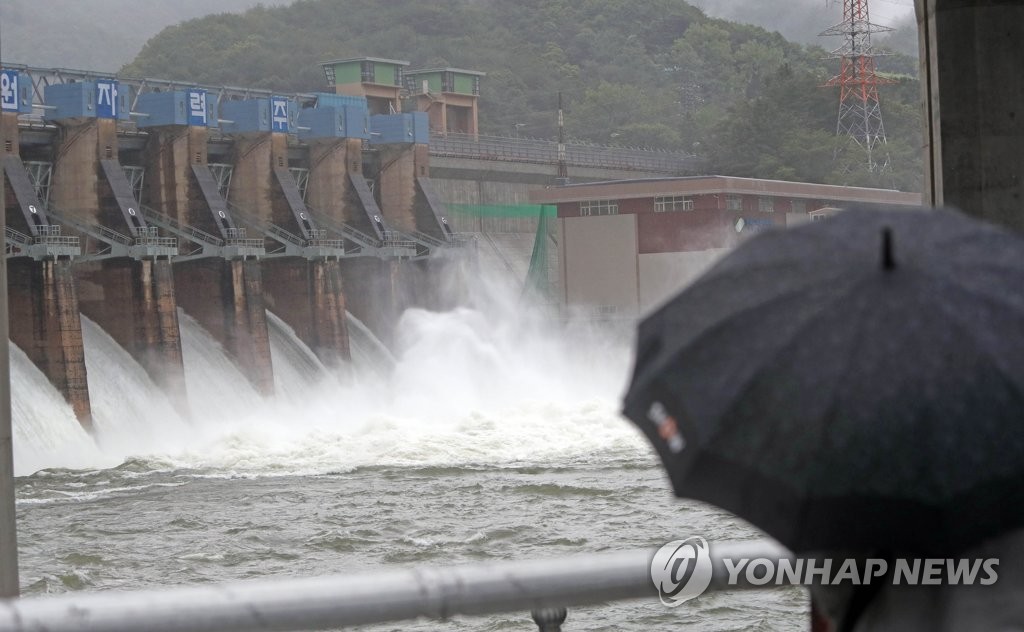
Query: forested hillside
pixel 655 73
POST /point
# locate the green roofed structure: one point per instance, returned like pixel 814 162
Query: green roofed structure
pixel 377 79
pixel 449 97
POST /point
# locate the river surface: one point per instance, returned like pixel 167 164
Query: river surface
pixel 484 438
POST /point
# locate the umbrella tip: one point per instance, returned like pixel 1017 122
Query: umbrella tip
pixel 888 261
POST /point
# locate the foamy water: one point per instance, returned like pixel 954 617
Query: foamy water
pixel 464 388
pixel 492 433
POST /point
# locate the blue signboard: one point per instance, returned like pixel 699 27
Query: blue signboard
pixel 106 99
pixel 278 114
pixel 197 116
pixel 9 90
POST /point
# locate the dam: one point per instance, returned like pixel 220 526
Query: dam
pixel 131 204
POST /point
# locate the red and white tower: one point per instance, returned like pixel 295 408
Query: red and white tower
pixel 860 115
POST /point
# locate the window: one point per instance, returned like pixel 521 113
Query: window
pixel 734 203
pixel 672 203
pixel 599 207
pixel 799 206
pixel 766 204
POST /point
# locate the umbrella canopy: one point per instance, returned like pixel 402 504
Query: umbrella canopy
pixel 855 383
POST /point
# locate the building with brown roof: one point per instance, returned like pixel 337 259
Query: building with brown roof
pixel 624 246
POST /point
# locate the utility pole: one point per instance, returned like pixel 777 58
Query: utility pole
pixel 563 170
pixel 860 115
pixel 8 525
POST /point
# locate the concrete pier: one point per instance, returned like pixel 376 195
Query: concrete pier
pixel 226 298
pixel 397 182
pixel 975 125
pixel 308 295
pixel 45 324
pixel 131 298
pixel 134 301
pixel 225 295
pixel 43 304
pixel 305 292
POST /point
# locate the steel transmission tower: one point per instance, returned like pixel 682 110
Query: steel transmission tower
pixel 860 115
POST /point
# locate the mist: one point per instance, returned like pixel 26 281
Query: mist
pixel 803 20
pixel 100 35
pixel 495 380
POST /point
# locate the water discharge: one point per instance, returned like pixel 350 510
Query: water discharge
pixel 468 386
pixel 490 431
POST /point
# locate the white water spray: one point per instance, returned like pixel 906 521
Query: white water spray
pixel 490 384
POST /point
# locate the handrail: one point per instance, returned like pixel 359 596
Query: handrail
pixel 275 231
pixel 351 599
pixel 99 231
pixel 357 236
pixel 398 239
pixel 426 239
pixel 530 150
pixel 282 235
pixel 17 237
pixel 113 235
pixel 188 232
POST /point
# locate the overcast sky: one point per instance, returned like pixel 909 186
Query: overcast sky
pixel 103 35
pixel 802 20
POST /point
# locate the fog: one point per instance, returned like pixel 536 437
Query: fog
pixel 104 35
pixel 803 20
pixel 100 35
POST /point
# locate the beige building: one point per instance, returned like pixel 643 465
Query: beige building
pixel 626 246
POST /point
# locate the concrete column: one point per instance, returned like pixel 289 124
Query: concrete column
pixel 308 295
pixel 226 297
pixel 131 300
pixel 44 322
pixel 9 581
pixel 328 189
pixel 398 186
pixel 373 291
pixel 170 185
pixel 8 133
pixel 76 171
pixel 974 136
pixel 134 301
pixel 253 187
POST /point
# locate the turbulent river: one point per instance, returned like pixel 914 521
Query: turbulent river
pixel 484 437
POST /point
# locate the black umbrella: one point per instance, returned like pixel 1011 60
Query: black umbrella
pixel 856 383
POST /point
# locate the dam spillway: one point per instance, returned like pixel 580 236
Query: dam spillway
pixel 133 202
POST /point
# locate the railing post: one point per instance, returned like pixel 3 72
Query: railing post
pixel 549 619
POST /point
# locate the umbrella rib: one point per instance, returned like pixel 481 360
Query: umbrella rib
pixel 1002 299
pixel 712 278
pixel 833 399
pixel 795 338
pixel 717 325
pixel 969 332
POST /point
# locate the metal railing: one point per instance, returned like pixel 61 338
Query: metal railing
pixel 318 237
pixel 427 240
pixel 576 154
pixel 191 233
pixel 47 244
pixel 334 601
pixel 237 237
pixel 150 236
pixel 397 239
pixel 17 237
pixel 50 235
pixel 360 241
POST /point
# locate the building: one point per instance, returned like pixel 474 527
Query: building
pixel 625 246
pixel 449 96
pixel 378 80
